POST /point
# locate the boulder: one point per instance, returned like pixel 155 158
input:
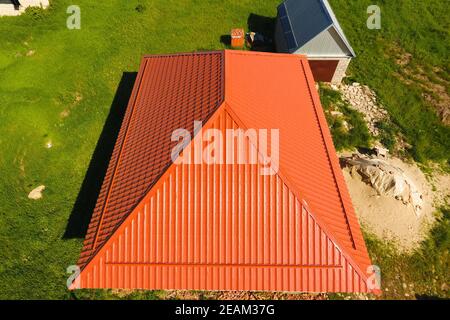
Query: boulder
pixel 385 179
pixel 36 193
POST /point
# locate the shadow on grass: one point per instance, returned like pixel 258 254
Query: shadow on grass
pixel 265 26
pixel 226 40
pixel 90 189
pixel 261 24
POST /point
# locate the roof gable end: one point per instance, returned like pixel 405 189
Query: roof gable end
pixel 327 44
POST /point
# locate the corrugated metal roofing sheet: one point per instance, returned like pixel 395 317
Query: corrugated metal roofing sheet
pixel 222 227
pixel 226 227
pixel 171 92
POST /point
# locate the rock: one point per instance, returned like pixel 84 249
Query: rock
pixel 381 151
pixel 36 193
pixel 386 180
pixel 336 113
pixel 363 99
pixel 346 125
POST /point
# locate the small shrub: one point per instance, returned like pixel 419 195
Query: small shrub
pixel 35 13
pixel 355 134
pixel 140 8
pixel 387 134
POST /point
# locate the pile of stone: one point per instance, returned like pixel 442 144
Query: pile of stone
pixel 364 100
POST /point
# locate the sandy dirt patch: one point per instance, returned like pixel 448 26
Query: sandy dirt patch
pixel 387 217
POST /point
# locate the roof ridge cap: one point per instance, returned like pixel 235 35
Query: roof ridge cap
pixel 267 54
pixel 177 54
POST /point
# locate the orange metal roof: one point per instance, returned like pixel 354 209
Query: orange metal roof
pixel 225 227
pixel 171 92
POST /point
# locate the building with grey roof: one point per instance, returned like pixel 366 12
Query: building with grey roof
pixel 310 27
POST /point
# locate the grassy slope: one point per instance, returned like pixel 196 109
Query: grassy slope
pixel 420 28
pixel 356 134
pixel 89 63
pixel 422 274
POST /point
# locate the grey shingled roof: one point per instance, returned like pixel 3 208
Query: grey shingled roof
pixel 302 20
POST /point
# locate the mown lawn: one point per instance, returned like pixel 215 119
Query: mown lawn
pixel 58 86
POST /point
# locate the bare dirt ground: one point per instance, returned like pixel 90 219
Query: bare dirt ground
pixel 383 215
pixel 239 295
pixel 389 218
pixel 226 295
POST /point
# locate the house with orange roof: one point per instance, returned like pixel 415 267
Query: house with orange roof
pixel 181 209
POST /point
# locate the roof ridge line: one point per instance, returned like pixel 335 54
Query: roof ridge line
pixel 267 54
pixel 177 54
pixel 329 159
pixel 345 207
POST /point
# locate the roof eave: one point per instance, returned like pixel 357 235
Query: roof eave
pixel 336 25
pixel 345 40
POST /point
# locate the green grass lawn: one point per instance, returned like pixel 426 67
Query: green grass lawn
pixel 59 85
pixel 353 134
pixel 418 28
